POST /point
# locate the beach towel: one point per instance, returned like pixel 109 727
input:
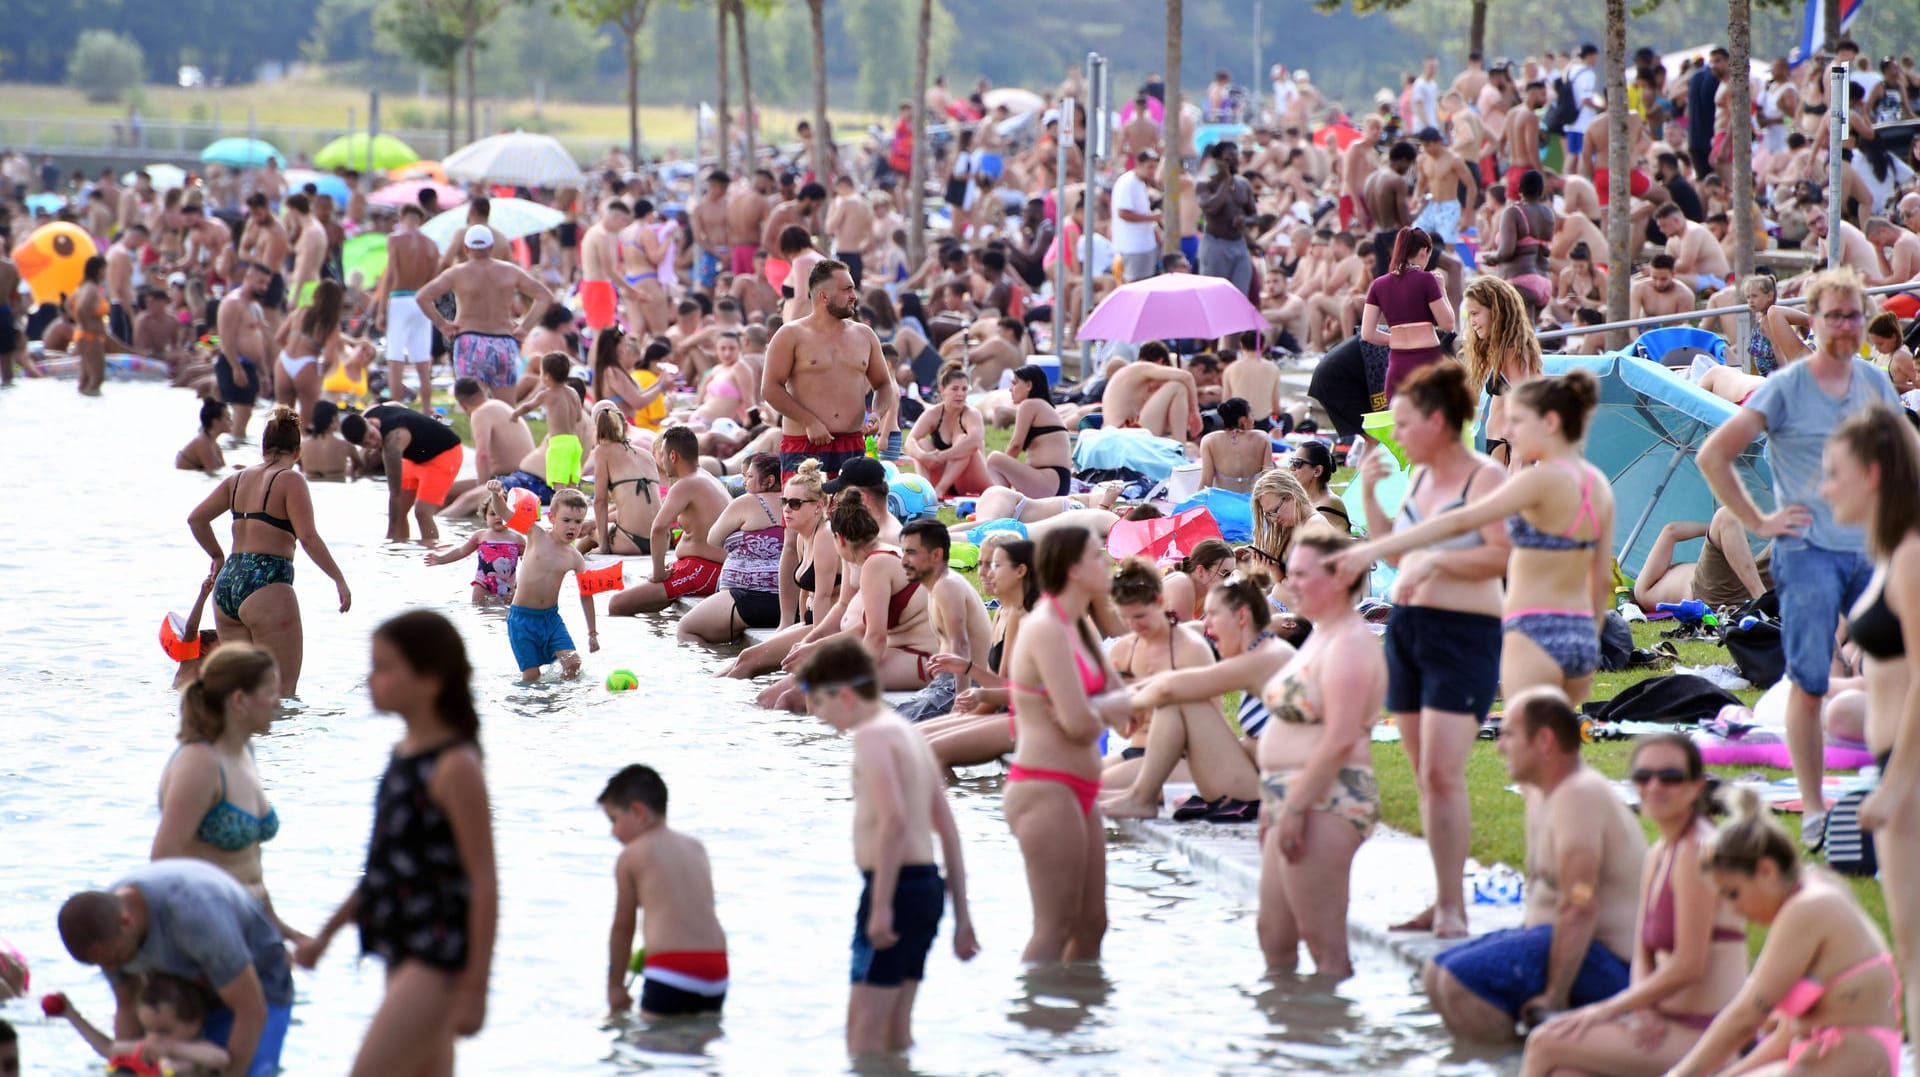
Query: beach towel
pixel 1130 450
pixel 1233 512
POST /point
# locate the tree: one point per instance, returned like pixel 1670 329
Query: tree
pixel 423 34
pixel 105 65
pixel 1477 23
pixel 917 171
pixel 471 17
pixel 1740 138
pixel 1170 140
pixel 821 153
pixel 1620 245
pixel 722 8
pixel 749 121
pixel 629 17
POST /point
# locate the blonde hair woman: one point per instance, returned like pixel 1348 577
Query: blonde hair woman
pixel 1500 351
pixel 1283 513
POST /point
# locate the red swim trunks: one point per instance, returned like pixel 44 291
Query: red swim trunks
pixel 740 259
pixel 1346 212
pixel 1513 182
pixel 693 577
pixel 1637 183
pixel 833 455
pixel 599 303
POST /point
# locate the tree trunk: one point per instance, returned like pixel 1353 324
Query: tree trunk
pixel 724 144
pixel 821 150
pixel 473 33
pixel 1170 141
pixel 1619 159
pixel 917 172
pixel 453 107
pixel 748 121
pixel 633 93
pixel 1477 28
pixel 1740 142
pixel 1831 31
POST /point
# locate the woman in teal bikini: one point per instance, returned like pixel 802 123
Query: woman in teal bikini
pixel 253 596
pixel 213 806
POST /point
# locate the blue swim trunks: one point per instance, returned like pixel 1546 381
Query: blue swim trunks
pixel 528 481
pixel 1509 968
pixel 273 1037
pixel 918 900
pixel 537 635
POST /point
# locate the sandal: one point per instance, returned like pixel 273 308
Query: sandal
pixel 1192 808
pixel 1235 811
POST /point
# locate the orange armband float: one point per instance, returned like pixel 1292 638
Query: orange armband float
pixel 172 639
pixel 610 576
pixel 524 510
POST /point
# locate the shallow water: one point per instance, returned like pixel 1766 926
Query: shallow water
pixel 100 551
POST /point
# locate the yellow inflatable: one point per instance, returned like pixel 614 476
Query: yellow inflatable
pixel 51 260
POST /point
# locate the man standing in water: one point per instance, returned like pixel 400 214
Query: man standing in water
pixel 309 248
pixel 899 805
pixel 244 332
pixel 422 457
pixel 413 260
pixel 601 284
pixel 819 372
pixel 125 281
pixel 187 918
pixel 484 335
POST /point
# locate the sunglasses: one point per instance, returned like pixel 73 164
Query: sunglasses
pixel 793 503
pixel 1295 465
pixel 1665 776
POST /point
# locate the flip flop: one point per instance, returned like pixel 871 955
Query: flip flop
pixel 1235 811
pixel 1192 808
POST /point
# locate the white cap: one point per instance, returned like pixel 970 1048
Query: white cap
pixel 176 280
pixel 479 238
pixel 1302 76
pixel 1052 115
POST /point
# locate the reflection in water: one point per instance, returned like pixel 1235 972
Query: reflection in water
pixel 1060 997
pixel 681 1040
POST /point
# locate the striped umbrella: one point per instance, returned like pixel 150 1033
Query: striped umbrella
pixel 520 159
pixel 513 218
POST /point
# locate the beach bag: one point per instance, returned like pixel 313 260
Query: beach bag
pixel 1756 649
pixel 1675 699
pixel 1616 643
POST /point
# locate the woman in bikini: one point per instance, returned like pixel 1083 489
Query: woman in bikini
pixel 1523 235
pixel 1500 349
pixel 203 452
pixel 213 806
pixel 977 731
pixel 325 456
pixel 253 599
pixel 1690 953
pixel 91 334
pixel 1872 467
pixel 309 341
pixel 1559 520
pixel 1579 287
pixel 1232 458
pixel 1318 796
pixel 809 573
pixel 1040 433
pixel 753 533
pixel 1186 586
pixel 625 488
pixel 1825 972
pixel 945 443
pixel 1155 642
pixel 614 380
pixel 1312 464
pixel 1063 695
pixel 1443 635
pixel 1188 726
pixel 1283 513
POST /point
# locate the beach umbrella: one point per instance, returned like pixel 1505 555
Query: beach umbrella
pixel 350 151
pixel 407 193
pixel 365 254
pixel 44 202
pixel 1643 437
pixel 418 170
pixel 514 218
pixel 519 159
pixel 1210 133
pixel 240 153
pixel 164 177
pixel 1172 306
pixel 323 183
pixel 1017 100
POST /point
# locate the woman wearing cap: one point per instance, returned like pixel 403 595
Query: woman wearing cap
pixel 1312 464
pixel 1232 458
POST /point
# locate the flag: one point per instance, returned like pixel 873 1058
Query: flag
pixel 1813 31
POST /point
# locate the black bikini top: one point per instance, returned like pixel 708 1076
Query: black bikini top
pixel 262 514
pixel 1876 629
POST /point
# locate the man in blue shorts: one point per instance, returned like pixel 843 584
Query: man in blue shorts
pixel 1584 855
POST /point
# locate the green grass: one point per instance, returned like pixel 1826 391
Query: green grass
pixel 464 428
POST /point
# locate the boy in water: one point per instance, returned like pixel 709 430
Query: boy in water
pixel 534 627
pixel 684 962
pixel 171 1011
pixel 565 455
pixel 899 804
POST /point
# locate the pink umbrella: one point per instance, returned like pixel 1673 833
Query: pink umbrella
pixel 1172 306
pixel 408 193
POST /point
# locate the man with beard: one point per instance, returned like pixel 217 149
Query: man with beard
pixel 1660 294
pixel 819 371
pixel 243 343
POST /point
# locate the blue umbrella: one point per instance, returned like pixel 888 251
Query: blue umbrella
pixel 323 183
pixel 1643 438
pixel 44 202
pixel 240 153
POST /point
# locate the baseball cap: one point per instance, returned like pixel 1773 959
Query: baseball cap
pixel 1429 134
pixel 177 280
pixel 479 238
pixel 859 471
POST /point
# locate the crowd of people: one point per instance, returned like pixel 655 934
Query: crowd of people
pixel 756 403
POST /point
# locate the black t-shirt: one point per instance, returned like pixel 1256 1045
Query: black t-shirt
pixel 1687 199
pixel 430 437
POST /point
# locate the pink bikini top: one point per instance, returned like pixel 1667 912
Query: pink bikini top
pixel 1806 993
pixel 1093 676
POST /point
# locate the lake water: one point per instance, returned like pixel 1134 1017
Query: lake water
pixel 99 550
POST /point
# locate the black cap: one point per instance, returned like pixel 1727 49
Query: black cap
pixel 1589 49
pixel 1429 134
pixel 859 471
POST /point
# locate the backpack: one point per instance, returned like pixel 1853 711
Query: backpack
pixel 1757 650
pixel 1565 108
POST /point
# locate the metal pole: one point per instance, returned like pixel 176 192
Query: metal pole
pixel 1096 149
pixel 1836 134
pixel 1063 137
pixel 373 132
pixel 1254 76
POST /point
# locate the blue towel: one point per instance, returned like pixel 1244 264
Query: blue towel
pixel 1133 450
pixel 1232 511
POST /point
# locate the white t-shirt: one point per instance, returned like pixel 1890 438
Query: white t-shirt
pixel 1426 104
pixel 1131 237
pixel 1284 95
pixel 1582 79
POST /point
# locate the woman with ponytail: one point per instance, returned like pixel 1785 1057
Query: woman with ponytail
pixel 213 806
pixel 1412 305
pixel 1186 587
pixel 428 902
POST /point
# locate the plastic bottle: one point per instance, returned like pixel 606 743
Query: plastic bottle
pixel 1689 612
pixel 1747 622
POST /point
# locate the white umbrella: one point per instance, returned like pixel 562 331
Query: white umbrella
pixel 1017 100
pixel 519 159
pixel 165 177
pixel 513 218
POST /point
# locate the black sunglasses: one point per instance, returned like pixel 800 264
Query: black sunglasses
pixel 1665 776
pixel 793 503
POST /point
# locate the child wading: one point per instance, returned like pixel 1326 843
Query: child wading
pixel 534 627
pixel 684 962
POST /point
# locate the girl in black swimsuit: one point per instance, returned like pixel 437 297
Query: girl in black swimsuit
pixel 953 464
pixel 1035 420
pixel 623 525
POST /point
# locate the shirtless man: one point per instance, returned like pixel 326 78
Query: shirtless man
pixel 1388 203
pixel 1139 133
pixel 1584 857
pixel 125 279
pixel 959 619
pixel 1897 249
pixel 642 251
pixel 751 289
pixel 1256 380
pixel 1284 311
pixel 1594 149
pixel 1698 259
pixel 135 201
pixel 819 372
pixel 239 369
pixel 1659 293
pixel 1357 165
pixel 208 244
pixel 1335 312
pixel 803 210
pixel 309 247
pixel 1576 192
pixel 155 331
pixel 1569 231
pixel 1152 394
pixel 270 181
pixel 602 287
pixel 850 227
pixel 747 211
pixel 694 500
pixel 709 223
pixel 483 333
pixel 500 442
pixel 1855 251
pixel 1440 177
pixel 413 260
